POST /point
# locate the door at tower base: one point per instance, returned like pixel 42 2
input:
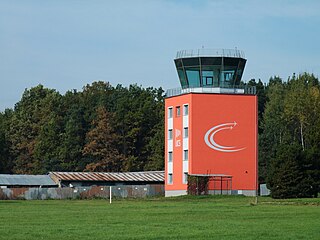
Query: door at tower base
pixel 222 141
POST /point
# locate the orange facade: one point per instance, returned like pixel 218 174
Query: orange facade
pixel 221 138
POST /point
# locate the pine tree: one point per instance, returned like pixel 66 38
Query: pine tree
pixel 285 176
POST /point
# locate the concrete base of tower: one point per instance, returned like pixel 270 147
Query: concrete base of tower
pixel 174 193
pixel 220 192
pixel 249 193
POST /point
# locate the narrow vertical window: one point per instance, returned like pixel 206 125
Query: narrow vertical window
pixel 170 134
pixel 170 178
pixel 185 132
pixel 170 112
pixel 185 177
pixel 170 157
pixel 178 111
pixel 185 110
pixel 185 155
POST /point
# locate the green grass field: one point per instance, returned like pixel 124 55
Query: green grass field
pixel 210 217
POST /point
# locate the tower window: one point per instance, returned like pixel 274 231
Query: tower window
pixel 185 177
pixel 170 134
pixel 185 155
pixel 209 80
pixel 170 157
pixel 193 77
pixel 170 112
pixel 185 110
pixel 170 178
pixel 178 111
pixel 185 132
pixel 207 77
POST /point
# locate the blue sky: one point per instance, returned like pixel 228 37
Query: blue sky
pixel 65 44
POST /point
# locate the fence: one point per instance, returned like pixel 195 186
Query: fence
pixel 129 191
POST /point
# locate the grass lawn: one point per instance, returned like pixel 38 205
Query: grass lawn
pixel 210 217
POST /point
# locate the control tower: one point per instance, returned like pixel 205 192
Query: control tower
pixel 211 125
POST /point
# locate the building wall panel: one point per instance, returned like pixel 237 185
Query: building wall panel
pixel 178 145
pixel 224 140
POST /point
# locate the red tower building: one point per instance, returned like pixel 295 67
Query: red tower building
pixel 211 125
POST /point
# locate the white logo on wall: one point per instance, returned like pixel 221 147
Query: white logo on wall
pixel 177 135
pixel 209 138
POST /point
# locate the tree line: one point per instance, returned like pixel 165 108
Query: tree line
pixel 106 128
pixel 101 128
pixel 289 135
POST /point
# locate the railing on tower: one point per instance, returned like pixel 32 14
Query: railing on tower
pixel 205 89
pixel 204 52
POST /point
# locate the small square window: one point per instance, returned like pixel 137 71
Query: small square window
pixel 178 111
pixel 185 110
pixel 170 112
pixel 209 80
pixel 185 132
pixel 170 180
pixel 170 134
pixel 169 156
pixel 185 155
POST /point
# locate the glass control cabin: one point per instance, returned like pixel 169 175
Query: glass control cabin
pixel 210 68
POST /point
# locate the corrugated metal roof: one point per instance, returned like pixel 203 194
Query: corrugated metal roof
pixel 26 180
pixel 151 176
